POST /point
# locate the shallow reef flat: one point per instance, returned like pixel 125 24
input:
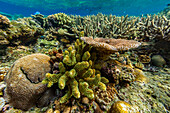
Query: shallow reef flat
pixel 98 63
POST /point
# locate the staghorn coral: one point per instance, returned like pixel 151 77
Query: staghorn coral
pixel 143 28
pixel 127 27
pixel 106 26
pixel 154 27
pixel 39 18
pixel 76 73
pixel 165 12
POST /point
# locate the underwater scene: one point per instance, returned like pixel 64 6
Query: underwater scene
pixel 85 56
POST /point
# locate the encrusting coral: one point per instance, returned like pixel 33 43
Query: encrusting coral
pixel 76 72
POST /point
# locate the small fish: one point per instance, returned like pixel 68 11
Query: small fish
pixel 168 4
pixel 37 12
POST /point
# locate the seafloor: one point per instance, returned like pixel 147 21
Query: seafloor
pixel 139 78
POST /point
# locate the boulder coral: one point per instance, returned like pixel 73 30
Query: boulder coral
pixel 24 86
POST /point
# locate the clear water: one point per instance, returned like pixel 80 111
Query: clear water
pixel 83 7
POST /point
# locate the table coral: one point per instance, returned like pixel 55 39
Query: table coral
pixel 76 73
pixel 103 47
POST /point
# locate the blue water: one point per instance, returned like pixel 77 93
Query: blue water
pixel 84 7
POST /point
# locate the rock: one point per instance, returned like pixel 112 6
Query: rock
pixel 24 86
pixel 2 103
pixel 85 100
pixel 49 110
pixel 74 109
pixel 67 109
pixel 140 76
pixel 158 60
pixel 122 107
pixel 56 111
pixel 97 108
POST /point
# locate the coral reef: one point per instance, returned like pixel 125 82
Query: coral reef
pixel 110 26
pixel 58 27
pixel 144 28
pixel 78 75
pixel 122 71
pixel 76 72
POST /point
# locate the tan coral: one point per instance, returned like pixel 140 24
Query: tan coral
pixel 111 45
pixel 104 47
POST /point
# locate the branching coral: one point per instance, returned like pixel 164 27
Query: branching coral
pixel 106 26
pixel 58 20
pixel 76 73
pixel 127 27
pixel 154 27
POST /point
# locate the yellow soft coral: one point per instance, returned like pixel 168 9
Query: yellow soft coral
pixel 76 73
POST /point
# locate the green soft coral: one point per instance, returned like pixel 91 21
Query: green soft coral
pixel 76 73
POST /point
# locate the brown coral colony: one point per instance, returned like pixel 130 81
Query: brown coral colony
pixel 111 45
